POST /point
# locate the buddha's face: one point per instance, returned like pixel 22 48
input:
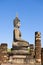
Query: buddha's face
pixel 18 24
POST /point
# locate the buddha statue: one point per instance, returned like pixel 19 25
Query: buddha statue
pixel 17 40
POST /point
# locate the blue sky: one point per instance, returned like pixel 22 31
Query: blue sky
pixel 30 13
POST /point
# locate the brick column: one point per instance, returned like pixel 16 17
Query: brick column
pixel 42 56
pixel 38 47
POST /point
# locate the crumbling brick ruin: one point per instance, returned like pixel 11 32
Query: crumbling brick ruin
pixel 3 53
pixel 41 56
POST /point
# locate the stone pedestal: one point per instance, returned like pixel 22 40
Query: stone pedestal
pixel 20 52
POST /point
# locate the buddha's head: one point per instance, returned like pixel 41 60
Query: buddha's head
pixel 16 22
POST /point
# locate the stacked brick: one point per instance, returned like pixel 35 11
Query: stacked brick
pixel 32 50
pixel 3 53
pixel 37 47
pixel 42 56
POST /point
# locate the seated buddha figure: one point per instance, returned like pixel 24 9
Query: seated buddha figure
pixel 17 40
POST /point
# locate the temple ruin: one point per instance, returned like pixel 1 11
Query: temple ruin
pixel 22 52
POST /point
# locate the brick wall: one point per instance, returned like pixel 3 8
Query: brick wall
pixel 3 53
